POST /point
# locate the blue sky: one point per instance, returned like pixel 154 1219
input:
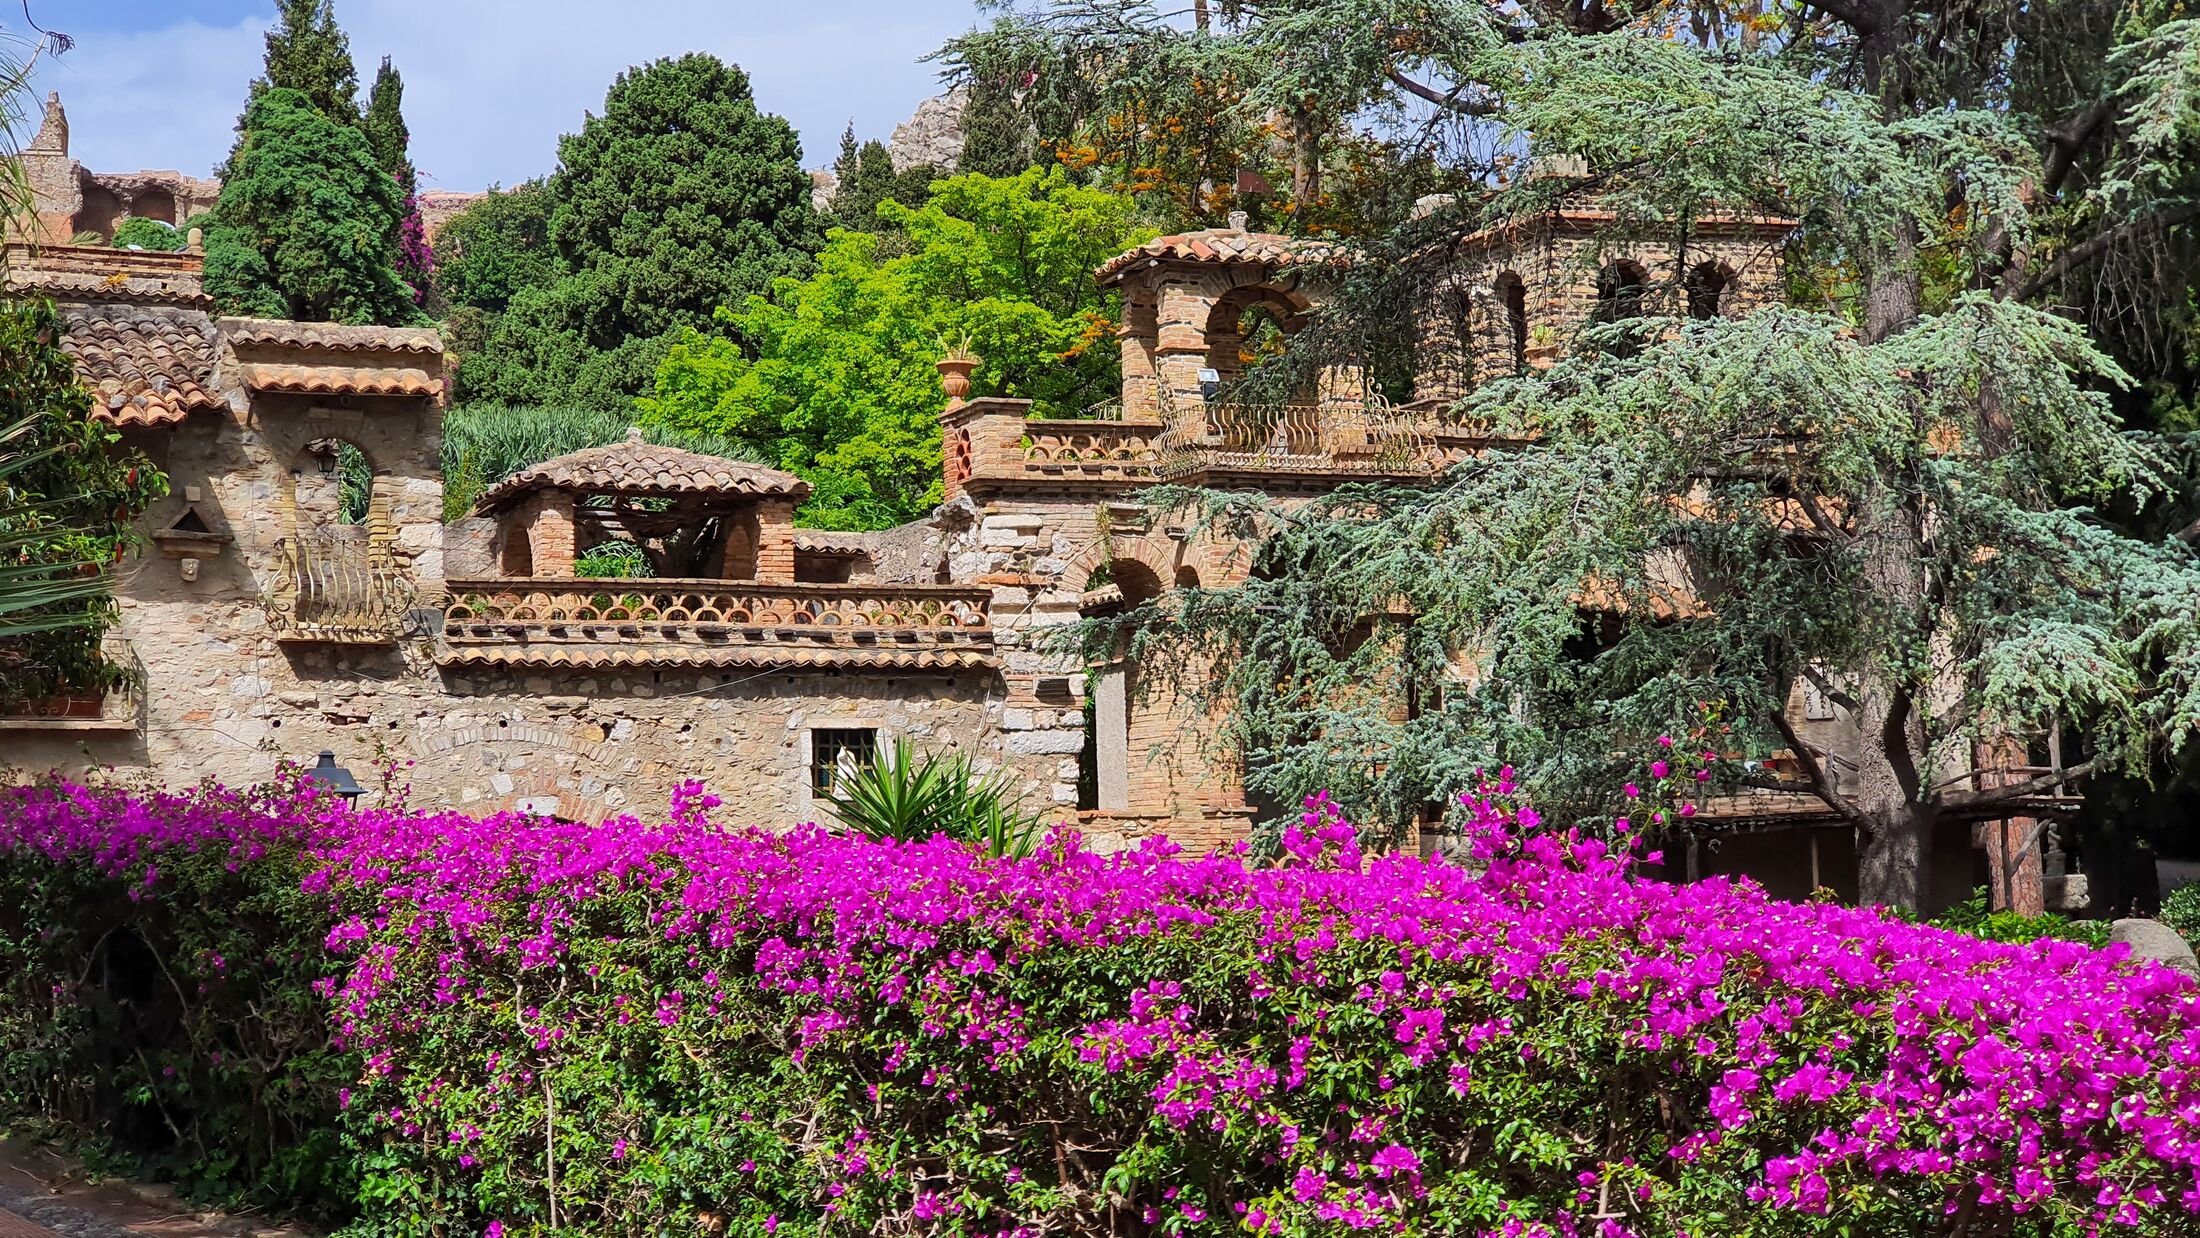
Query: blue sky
pixel 489 84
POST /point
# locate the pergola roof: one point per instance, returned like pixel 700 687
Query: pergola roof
pixel 638 468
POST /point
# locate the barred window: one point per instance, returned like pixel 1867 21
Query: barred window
pixel 836 752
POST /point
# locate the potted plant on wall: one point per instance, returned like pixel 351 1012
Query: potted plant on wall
pixel 957 362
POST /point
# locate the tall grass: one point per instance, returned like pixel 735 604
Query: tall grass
pixel 485 443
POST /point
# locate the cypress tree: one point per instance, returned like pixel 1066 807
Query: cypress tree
pixel 307 52
pixel 385 128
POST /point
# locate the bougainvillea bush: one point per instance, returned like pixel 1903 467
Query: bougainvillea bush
pixel 691 1027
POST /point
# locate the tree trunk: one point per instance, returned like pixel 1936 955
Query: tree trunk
pixel 1306 159
pixel 1895 868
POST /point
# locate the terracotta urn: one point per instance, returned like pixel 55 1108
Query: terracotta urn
pixel 955 377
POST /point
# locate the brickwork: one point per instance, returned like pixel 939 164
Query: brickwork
pixel 775 541
pixel 1518 295
pixel 69 199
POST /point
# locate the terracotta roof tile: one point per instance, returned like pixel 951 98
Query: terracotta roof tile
pixel 637 467
pixel 1226 245
pixel 340 380
pixel 335 337
pixel 594 657
pixel 145 365
pixel 831 542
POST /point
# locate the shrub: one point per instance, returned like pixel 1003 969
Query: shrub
pixel 1974 916
pixel 158 957
pixel 138 232
pixel 688 1028
pixel 2181 911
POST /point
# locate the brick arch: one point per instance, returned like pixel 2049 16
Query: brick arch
pixel 1164 556
pixel 531 785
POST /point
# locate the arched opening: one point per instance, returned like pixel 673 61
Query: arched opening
pixel 518 559
pixel 613 558
pixel 1187 577
pixel 1621 287
pixel 332 482
pixel 1512 303
pixel 101 211
pixel 155 204
pixel 1249 325
pixel 1139 584
pixel 1710 287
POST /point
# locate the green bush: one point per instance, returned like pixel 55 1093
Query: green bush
pixel 165 1020
pixel 151 234
pixel 2181 911
pixel 1975 917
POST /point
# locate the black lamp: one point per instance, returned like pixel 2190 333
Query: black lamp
pixel 330 776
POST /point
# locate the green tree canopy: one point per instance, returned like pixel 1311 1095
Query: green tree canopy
pixel 307 223
pixel 384 125
pixel 309 53
pixel 1893 489
pixel 149 234
pixel 832 377
pixel 679 198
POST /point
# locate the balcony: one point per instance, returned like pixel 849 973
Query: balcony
pixel 1355 438
pixel 585 623
pixel 336 586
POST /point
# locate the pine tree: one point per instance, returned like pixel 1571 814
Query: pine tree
pixel 679 197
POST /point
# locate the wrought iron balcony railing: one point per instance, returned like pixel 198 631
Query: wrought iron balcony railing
pixel 567 622
pixel 337 585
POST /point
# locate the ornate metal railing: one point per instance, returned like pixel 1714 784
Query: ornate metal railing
pixel 587 622
pixel 337 585
pixel 1331 437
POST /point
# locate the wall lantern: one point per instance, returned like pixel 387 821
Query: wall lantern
pixel 329 776
pixel 1209 383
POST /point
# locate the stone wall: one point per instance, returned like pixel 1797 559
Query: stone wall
pixel 70 199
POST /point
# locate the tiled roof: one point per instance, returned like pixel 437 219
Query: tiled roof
pixel 98 273
pixel 340 379
pixel 146 365
pixel 329 336
pixel 637 467
pixel 831 542
pixel 1221 245
pixel 595 657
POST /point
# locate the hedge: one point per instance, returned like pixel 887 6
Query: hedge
pixel 525 1026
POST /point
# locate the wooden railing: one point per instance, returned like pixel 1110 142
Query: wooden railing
pixel 685 621
pixel 337 586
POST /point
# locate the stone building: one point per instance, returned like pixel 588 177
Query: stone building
pixel 71 200
pixel 280 615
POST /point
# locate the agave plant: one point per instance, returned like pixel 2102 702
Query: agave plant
pixel 913 798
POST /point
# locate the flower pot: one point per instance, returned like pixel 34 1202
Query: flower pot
pixel 955 377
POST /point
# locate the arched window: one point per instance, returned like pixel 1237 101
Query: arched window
pixel 1187 577
pixel 1709 286
pixel 1620 289
pixel 333 483
pixel 1512 298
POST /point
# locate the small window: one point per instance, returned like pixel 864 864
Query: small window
pixel 837 752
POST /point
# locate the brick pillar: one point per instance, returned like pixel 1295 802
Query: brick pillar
pixel 775 541
pixel 983 439
pixel 1137 338
pixel 550 533
pixel 742 541
pixel 1180 351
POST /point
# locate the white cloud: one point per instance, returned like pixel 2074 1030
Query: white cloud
pixel 490 84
